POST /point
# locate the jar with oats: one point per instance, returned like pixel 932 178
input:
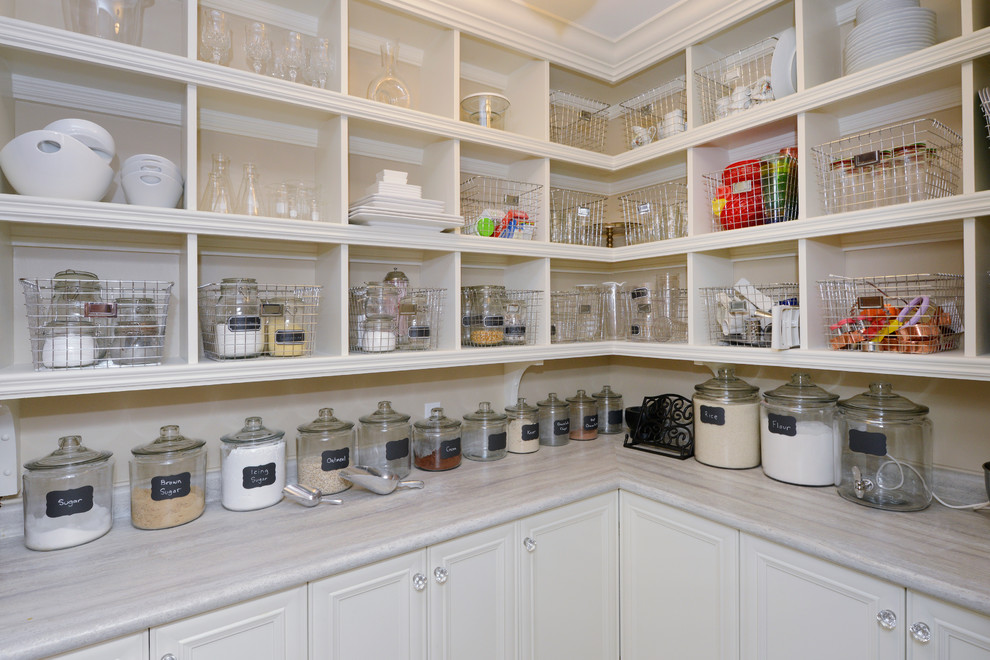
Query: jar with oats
pixel 168 480
pixel 325 446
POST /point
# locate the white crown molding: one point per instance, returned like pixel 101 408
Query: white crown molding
pixel 53 92
pixel 226 122
pixel 268 13
pixel 384 150
pixel 916 106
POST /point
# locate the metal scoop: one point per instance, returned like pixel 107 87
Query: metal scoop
pixel 377 480
pixel 307 496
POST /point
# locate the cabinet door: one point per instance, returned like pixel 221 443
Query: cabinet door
pixel 952 633
pixel 795 606
pixel 473 596
pixel 270 627
pixel 132 647
pixel 679 583
pixel 375 612
pixel 569 580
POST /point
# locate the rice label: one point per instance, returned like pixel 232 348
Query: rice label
pixel 713 415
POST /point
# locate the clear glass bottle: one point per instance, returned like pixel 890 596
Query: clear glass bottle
pixel 584 416
pixel 68 496
pixel 239 331
pixel 252 467
pixel 727 421
pixel 249 198
pixel 325 446
pixel 437 442
pixel 797 443
pixel 484 434
pixel 523 428
pixel 217 196
pixel 466 311
pixel 404 312
pixel 886 450
pixel 515 323
pixel 555 421
pixel 137 338
pixel 168 480
pixel 387 87
pixel 384 440
pixel 610 411
pixel 487 315
pixel 381 325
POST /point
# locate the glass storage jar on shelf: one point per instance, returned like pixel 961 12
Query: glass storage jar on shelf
pixel 523 427
pixel 487 304
pixel 68 496
pixel 252 467
pixel 76 296
pixel 727 421
pixel 555 421
pixel 610 411
pixel 584 416
pixel 403 312
pixel 285 326
pixel 589 312
pixel 381 306
pixel 168 480
pixel 515 323
pixel 484 434
pixel 70 344
pixel 437 442
pixel 325 446
pixel 137 337
pixel 239 331
pixel 384 440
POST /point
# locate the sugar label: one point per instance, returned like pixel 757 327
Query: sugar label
pixel 257 476
pixel 68 502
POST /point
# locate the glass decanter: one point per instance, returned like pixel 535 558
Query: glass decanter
pixel 388 87
pixel 249 200
pixel 217 196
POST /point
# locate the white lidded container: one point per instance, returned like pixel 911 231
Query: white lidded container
pixel 252 467
pixel 797 442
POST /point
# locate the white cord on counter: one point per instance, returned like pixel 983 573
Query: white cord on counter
pixel 900 470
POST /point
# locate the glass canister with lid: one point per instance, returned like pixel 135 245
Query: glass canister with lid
pixel 239 331
pixel 886 450
pixel 403 312
pixel 437 442
pixel 610 411
pixel 584 416
pixel 76 295
pixel 252 467
pixel 68 496
pixel 384 440
pixel 487 314
pixel 555 421
pixel 796 437
pixel 727 421
pixel 381 308
pixel 523 427
pixel 137 337
pixel 70 344
pixel 484 434
pixel 325 446
pixel 168 480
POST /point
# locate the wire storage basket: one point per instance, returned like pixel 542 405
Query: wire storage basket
pixel 985 104
pixel 92 323
pixel 754 191
pixel 906 162
pixel 578 121
pixel 414 326
pixel 901 313
pixel 736 82
pixel 240 319
pixel 500 208
pixel 655 213
pixel 577 217
pixel 496 316
pixel 761 315
pixel 656 114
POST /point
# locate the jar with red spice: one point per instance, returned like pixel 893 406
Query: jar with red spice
pixel 437 442
pixel 584 416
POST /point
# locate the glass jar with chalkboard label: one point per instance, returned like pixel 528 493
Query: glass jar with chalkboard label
pixel 610 411
pixel 484 434
pixel 325 446
pixel 727 421
pixel 523 427
pixel 68 496
pixel 252 467
pixel 796 436
pixel 437 442
pixel 384 440
pixel 555 421
pixel 886 450
pixel 168 480
pixel 584 416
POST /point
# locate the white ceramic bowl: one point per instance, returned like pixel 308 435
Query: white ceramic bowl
pixel 151 163
pixel 151 189
pixel 52 164
pixel 89 133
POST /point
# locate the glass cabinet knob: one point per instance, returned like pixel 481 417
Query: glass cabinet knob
pixel 440 574
pixel 419 582
pixel 887 619
pixel 921 632
pixel 168 656
pixel 529 544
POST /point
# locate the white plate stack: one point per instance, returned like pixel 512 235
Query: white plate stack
pixel 886 29
pixel 393 203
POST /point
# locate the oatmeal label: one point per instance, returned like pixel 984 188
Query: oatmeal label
pixel 335 459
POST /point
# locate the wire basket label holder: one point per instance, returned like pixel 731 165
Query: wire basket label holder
pixel 578 121
pixel 655 213
pixel 658 113
pixel 415 326
pixel 736 82
pixel 500 208
pixel 754 191
pixel 745 315
pixel 577 217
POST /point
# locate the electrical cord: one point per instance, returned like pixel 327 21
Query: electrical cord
pixel 900 471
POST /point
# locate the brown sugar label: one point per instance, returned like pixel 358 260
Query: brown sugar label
pixel 170 487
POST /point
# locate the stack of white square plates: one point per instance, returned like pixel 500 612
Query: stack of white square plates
pixel 886 29
pixel 393 203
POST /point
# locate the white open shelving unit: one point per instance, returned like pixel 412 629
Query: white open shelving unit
pixel 159 98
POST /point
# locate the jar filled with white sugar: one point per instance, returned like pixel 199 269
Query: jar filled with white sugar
pixel 727 421
pixel 796 437
pixel 252 467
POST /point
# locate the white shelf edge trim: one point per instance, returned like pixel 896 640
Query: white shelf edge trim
pixel 52 92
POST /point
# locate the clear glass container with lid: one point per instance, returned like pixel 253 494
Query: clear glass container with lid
pixel 523 427
pixel 484 434
pixel 384 440
pixel 76 296
pixel 70 344
pixel 610 411
pixel 437 442
pixel 886 450
pixel 168 480
pixel 68 496
pixel 239 331
pixel 727 421
pixel 584 416
pixel 404 311
pixel 515 323
pixel 555 421
pixel 285 326
pixel 589 312
pixel 381 308
pixel 252 467
pixel 325 446
pixel 487 315
pixel 137 338
pixel 796 437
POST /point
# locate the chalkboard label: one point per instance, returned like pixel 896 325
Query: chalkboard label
pixel 866 442
pixel 69 502
pixel 335 459
pixel 782 424
pixel 633 330
pixel 561 426
pixel 290 337
pixel 496 441
pixel 639 292
pixel 419 331
pixel 515 331
pixel 170 487
pixel 713 415
pixel 450 448
pixel 244 323
pixel 466 320
pixel 396 449
pixel 493 321
pixel 590 422
pixel 614 417
pixel 530 432
pixel 257 476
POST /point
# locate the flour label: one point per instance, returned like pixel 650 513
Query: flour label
pixel 782 424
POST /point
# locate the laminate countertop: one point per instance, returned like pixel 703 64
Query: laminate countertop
pixel 132 579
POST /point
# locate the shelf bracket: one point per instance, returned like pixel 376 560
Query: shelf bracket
pixel 9 470
pixel 513 376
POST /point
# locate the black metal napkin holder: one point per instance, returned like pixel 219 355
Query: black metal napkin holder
pixel 665 426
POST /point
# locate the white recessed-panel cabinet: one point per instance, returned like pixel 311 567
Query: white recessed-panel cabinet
pixel 939 631
pixel 132 647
